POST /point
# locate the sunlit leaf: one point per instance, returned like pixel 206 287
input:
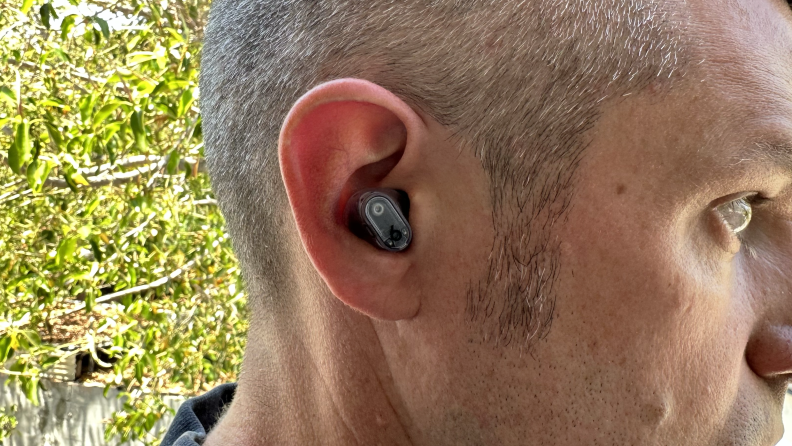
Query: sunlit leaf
pixel 79 179
pixel 61 54
pixel 45 13
pixel 54 134
pixel 173 163
pixel 66 26
pixel 49 361
pixel 185 102
pixel 86 106
pixel 175 34
pixel 139 57
pixel 37 174
pixel 26 4
pixel 19 153
pixel 103 26
pixel 8 95
pixel 33 337
pixel 130 45
pixel 138 129
pixel 30 386
pixel 66 250
pixel 105 112
pixel 5 347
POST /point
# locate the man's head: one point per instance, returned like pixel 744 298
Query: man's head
pixel 568 162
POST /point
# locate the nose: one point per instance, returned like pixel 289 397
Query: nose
pixel 769 352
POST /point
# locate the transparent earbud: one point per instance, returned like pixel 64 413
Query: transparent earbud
pixel 379 216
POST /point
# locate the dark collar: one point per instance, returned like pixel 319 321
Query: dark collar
pixel 198 415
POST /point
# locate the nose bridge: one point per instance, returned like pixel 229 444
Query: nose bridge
pixel 779 286
pixel 772 286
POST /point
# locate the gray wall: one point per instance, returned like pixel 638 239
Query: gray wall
pixel 70 414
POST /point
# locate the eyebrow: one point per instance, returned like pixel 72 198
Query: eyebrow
pixel 769 152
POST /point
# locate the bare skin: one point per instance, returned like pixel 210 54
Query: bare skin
pixel 668 329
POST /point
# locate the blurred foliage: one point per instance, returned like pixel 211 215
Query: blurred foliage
pixel 8 421
pixel 111 243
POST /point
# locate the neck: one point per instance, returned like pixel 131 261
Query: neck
pixel 314 380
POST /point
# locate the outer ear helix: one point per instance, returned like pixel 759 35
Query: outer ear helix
pixel 380 217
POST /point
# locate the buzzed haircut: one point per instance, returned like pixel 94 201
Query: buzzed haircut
pixel 518 83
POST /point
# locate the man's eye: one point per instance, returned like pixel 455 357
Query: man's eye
pixel 736 214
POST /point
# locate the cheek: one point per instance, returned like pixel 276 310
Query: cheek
pixel 647 306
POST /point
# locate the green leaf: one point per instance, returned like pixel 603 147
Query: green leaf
pixel 185 102
pixel 44 11
pixel 33 338
pixel 103 26
pixel 177 84
pixel 9 96
pixel 30 387
pixel 175 34
pixel 91 37
pixel 26 4
pixel 90 301
pixel 79 179
pixel 140 57
pixel 19 153
pixel 54 134
pixel 162 87
pixel 49 361
pixel 5 348
pixel 60 53
pixel 86 106
pixel 173 163
pixel 111 153
pixel 168 110
pixel 132 42
pixel 52 102
pixel 105 111
pixel 66 26
pixel 91 207
pixel 138 129
pixel 37 174
pixel 139 372
pixel 66 250
pixel 145 87
pixel 68 177
pixel 95 245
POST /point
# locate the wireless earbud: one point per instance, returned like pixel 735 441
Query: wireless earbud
pixel 379 216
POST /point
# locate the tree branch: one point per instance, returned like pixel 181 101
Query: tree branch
pixel 164 161
pixel 116 7
pixel 142 166
pixel 31 66
pixel 114 297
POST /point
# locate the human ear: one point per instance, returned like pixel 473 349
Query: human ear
pixel 341 137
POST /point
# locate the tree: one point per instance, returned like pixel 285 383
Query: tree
pixel 112 245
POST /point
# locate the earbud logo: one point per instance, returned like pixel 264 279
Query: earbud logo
pixel 379 216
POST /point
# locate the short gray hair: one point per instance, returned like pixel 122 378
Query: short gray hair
pixel 518 82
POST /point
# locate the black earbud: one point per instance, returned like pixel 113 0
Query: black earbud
pixel 379 216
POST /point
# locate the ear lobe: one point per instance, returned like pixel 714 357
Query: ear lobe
pixel 341 137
